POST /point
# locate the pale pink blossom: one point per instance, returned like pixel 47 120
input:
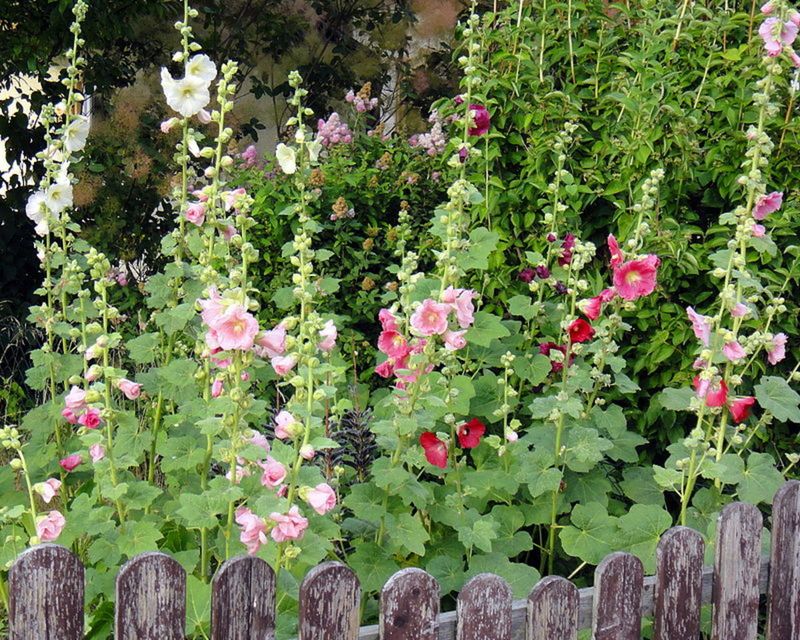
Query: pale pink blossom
pixel 290 526
pixel 241 471
pixel 75 399
pixel 231 198
pixel 283 364
pixel 235 329
pixel 307 452
pixel 701 325
pixel 47 489
pixel 699 363
pixel 733 351
pixel 212 307
pixel 69 416
pixel 740 310
pixel 260 440
pixel 271 343
pixel 328 335
pixel 132 390
pixel 229 232
pixel 167 125
pixel 776 35
pixel 216 388
pixel 769 202
pixel 253 530
pixel 286 426
pixel 274 473
pixel 768 7
pixel 321 498
pixel 196 213
pixel 97 452
pixel 461 300
pixel 430 318
pixel 50 526
pixel 454 340
pixel 511 435
pixel 758 230
pixel 204 116
pixel 776 350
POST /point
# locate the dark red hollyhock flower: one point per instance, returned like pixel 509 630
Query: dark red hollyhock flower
pixel 542 272
pixel 560 288
pixel 740 408
pixel 552 237
pixel 470 433
pixel 435 449
pixel 463 153
pixel 580 331
pixel 526 275
pixel 566 249
pixel 480 120
pixel 546 347
pixel 458 99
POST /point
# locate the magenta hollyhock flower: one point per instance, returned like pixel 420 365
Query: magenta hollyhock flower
pixel 72 462
pixel 701 325
pixel 217 388
pixel 776 351
pixel 461 301
pixel 47 489
pixel 291 526
pixel 617 258
pixel 740 409
pixel 715 394
pixel 636 278
pixel 567 246
pixel 733 351
pixel 283 364
pixel 97 452
pixel 90 419
pixel 321 498
pixel 542 272
pixel 253 530
pixel 386 368
pixel 526 275
pixel 430 318
pixel 777 34
pixel 328 335
pixel 393 344
pixel 131 390
pixel 470 433
pixel 768 203
pixel 480 120
pixel 435 449
pixel 387 320
pixel 50 526
pixel 454 340
pixel 196 213
pixel 555 365
pixel 69 416
pixel 274 473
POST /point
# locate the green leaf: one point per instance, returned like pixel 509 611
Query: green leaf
pixel 176 318
pixel 373 566
pixel 520 577
pixel 481 243
pixel 585 448
pixel 480 534
pixel 641 529
pixel 487 327
pixel 407 532
pixel 760 480
pixel 448 571
pixel 144 348
pixel 366 502
pixel 776 396
pixel 138 537
pixel 198 604
pixel 592 534
pixel 201 511
pixel 521 306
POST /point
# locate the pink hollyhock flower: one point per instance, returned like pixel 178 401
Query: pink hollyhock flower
pixel 260 440
pixel 212 307
pixel 435 449
pixel 464 308
pixel 286 425
pixel 393 344
pixel 740 310
pixel 566 250
pixel 90 419
pixel 241 471
pixel 273 472
pixel 526 275
pixel 97 452
pixel 253 530
pixel 229 232
pixel 166 125
pixel 430 318
pixel 767 8
pixel 50 526
pixel 511 435
pixel 454 340
pixel 291 526
pixel 591 307
pixel 733 351
pixel 307 452
pixel 231 198
pixel 70 463
pixel 47 489
pixel 69 416
pixel 249 156
pixel 794 17
pixel 716 394
pixel 328 335
pixel 470 433
pixel 616 253
pixel 740 409
pixel 217 388
pixel 758 230
pixel 196 213
pixel 321 498
pixel 132 390
pixel 235 329
pixel 204 116
pixel 768 203
pixel 386 368
pixel 580 331
pixel 699 363
pixel 795 58
pixel 283 364
pixel 387 320
pixel 701 325
pixel 775 35
pixel 480 120
pixel 636 278
pixel 271 343
pixel 75 399
pixel 777 350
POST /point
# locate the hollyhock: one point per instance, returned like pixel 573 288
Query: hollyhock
pixel 204 116
pixel 386 368
pixel 235 329
pixel 328 335
pixel 740 310
pixel 217 388
pixel 470 433
pixel 201 68
pixel 776 34
pixel 435 449
pixel 166 125
pixel 47 489
pixel 580 331
pixel 50 526
pixel 758 230
pixel 715 394
pixel 287 159
pixel 36 209
pixel 321 498
pixel 560 288
pixel 480 120
pixel 90 419
pixel 511 435
pixel 701 325
pixel 69 416
pixel 286 425
pixel 70 463
pixel 97 452
pixel 768 203
pixel 187 96
pixel 616 253
pixel 592 307
pixel 212 307
pixel 283 364
pixel 461 301
pixel 258 439
pixel 291 526
pixel 196 213
pixel 430 318
pixel 271 343
pixel 307 452
pixel 254 530
pixel 542 272
pixel 229 232
pixel 454 340
pixel 767 8
pixel 387 320
pixel 233 199
pixel 526 275
pixel 733 351
pixel 249 156
pixel 740 409
pixel 131 390
pixel 567 246
pixel 58 195
pixel 776 351
pixel 75 134
pixel 393 344
pixel 274 473
pixel 241 471
pixel 636 278
pixel 555 365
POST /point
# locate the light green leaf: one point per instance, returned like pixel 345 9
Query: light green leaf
pixel 641 529
pixel 373 565
pixel 592 534
pixel 138 537
pixel 487 327
pixel 776 396
pixel 520 577
pixel 761 479
pixel 407 532
pixel 481 243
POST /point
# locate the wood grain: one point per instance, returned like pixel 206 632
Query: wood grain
pixel 783 596
pixel 329 603
pixel 243 600
pixel 679 584
pixel 484 609
pixel 618 583
pixel 409 606
pixel 553 610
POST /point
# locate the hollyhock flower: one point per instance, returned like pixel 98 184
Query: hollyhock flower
pixel 435 449
pixel 229 232
pixel 321 498
pixel 75 399
pixel 201 68
pixel 291 526
pixel 47 489
pixel 36 209
pixel 461 301
pixel 69 416
pixel 701 325
pixel 740 310
pixel 767 8
pixel 271 343
pixel 235 329
pixel 776 34
pixel 560 288
pixel 58 195
pixel 393 344
pixel 733 351
pixel 254 530
pixel 283 364
pixel 740 409
pixel 463 154
pixel 580 331
pixel 204 116
pixel 567 246
pixel 387 320
pixel 386 368
pixel 454 340
pixel 328 335
pixel 480 120
pixel 715 394
pixel 699 363
pixel 217 388
pixel 307 452
pixel 132 390
pixel 470 433
pixel 196 213
pixel 526 275
pixel 258 439
pixel 212 307
pixel 70 463
pixel 233 198
pixel 249 156
pixel 50 526
pixel 93 373
pixel 616 253
pixel 241 471
pixel 90 419
pixel 287 159
pixel 274 473
pixel 758 230
pixel 592 307
pixel 286 425
pixel 193 147
pixel 636 278
pixel 97 452
pixel 187 95
pixel 511 435
pixel 75 134
pixel 542 272
pixel 166 125
pixel 430 318
pixel 555 365
pixel 776 351
pixel 768 203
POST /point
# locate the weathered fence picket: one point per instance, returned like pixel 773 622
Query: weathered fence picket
pixel 46 590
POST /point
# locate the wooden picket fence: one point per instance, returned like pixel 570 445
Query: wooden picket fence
pixel 46 594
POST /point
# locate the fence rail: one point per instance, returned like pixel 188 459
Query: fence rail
pixel 46 594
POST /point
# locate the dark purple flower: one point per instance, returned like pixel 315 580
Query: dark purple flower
pixel 552 237
pixel 463 152
pixel 560 288
pixel 542 272
pixel 459 99
pixel 480 120
pixel 566 250
pixel 526 275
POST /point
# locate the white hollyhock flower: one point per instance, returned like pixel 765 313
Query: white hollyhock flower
pixel 186 96
pixel 201 68
pixel 76 133
pixel 59 195
pixel 194 148
pixel 314 148
pixel 287 158
pixel 36 210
